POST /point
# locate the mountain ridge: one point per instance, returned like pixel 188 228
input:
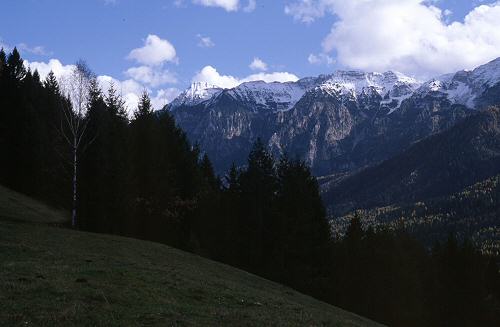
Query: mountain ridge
pixel 337 123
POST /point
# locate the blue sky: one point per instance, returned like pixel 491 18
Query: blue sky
pixel 296 37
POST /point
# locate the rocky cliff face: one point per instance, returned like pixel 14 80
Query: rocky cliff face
pixel 338 123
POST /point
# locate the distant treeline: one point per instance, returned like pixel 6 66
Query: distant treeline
pixel 74 146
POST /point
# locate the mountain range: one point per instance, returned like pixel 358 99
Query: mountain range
pixel 338 123
pixel 372 139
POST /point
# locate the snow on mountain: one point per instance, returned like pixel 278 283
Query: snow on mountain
pixel 196 94
pixel 393 87
pixel 356 82
pixel 464 87
pixel 276 96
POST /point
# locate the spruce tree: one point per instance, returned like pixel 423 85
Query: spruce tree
pixel 144 108
pixel 259 187
pixel 300 240
pixel 51 83
pixel 15 66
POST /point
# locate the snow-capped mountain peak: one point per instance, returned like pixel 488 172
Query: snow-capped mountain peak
pixel 278 96
pixel 274 96
pixel 393 88
pixel 197 93
pixel 465 86
pixel 358 82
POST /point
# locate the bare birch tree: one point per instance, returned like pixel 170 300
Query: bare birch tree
pixel 74 122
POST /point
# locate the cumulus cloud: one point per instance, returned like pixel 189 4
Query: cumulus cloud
pixel 155 51
pixel 412 36
pixel 228 5
pixel 54 65
pixel 211 76
pixel 151 76
pixel 258 64
pixel 205 41
pixel 320 59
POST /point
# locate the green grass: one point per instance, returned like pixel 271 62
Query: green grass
pixel 18 207
pixel 52 276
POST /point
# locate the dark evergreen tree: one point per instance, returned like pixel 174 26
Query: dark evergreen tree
pixel 259 186
pixel 299 240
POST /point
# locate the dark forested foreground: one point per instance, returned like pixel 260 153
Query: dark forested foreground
pixel 73 146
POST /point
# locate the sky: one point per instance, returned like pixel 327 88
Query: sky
pixel 162 46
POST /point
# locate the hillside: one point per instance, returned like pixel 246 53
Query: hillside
pixel 53 276
pixel 472 213
pixel 438 166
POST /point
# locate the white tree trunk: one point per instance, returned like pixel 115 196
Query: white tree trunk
pixel 75 170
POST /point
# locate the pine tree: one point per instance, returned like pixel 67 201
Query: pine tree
pixel 208 173
pixel 117 136
pixel 115 103
pixel 300 234
pixel 16 69
pixel 51 84
pixel 144 108
pixel 233 179
pixel 259 187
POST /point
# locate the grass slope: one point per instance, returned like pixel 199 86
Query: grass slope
pixel 52 277
pixel 18 207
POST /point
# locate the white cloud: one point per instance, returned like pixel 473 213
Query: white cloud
pixel 205 41
pixel 271 77
pixel 411 36
pixel 258 64
pixel 211 76
pixel 53 65
pixel 228 5
pixel 151 76
pixel 319 59
pixel 155 52
pixel 164 96
pixel 250 7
